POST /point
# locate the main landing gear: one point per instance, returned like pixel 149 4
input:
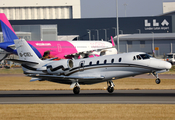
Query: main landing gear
pixel 111 85
pixel 76 90
pixel 76 86
pixel 157 78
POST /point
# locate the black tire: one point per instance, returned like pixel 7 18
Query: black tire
pixel 110 89
pixel 157 81
pixel 76 90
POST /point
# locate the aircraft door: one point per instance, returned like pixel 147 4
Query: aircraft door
pixel 81 65
pixel 59 48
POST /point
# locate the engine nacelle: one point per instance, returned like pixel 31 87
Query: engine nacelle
pixel 59 67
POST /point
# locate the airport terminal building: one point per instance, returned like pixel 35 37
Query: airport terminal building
pixel 38 20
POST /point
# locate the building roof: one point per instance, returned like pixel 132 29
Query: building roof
pixel 168 13
pixel 145 36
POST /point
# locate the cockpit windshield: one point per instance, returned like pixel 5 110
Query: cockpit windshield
pixel 145 56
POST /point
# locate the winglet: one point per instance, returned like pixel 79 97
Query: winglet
pixel 113 44
pixel 8 32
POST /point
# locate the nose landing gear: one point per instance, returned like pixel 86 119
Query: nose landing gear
pixel 157 81
pixel 157 78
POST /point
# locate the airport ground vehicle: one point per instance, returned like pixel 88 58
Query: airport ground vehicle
pixel 170 57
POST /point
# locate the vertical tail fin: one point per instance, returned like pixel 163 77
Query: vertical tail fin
pixel 8 32
pixel 25 52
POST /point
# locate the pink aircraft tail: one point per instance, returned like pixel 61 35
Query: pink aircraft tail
pixel 8 32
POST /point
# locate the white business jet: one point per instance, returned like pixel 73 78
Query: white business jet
pixel 88 70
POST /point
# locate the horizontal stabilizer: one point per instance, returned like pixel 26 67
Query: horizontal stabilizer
pixel 22 61
pixel 35 79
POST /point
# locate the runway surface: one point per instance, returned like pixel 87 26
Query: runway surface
pixel 88 97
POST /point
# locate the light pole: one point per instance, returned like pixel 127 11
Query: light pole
pixel 105 34
pixel 115 30
pixel 117 25
pixel 97 34
pixel 89 34
pixel 139 31
pixel 125 8
pixel 121 31
pixel 153 43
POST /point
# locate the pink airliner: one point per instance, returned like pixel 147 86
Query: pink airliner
pixel 60 49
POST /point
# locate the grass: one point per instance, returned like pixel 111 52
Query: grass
pixel 83 111
pixel 172 70
pixel 22 83
pixel 87 112
pixel 11 71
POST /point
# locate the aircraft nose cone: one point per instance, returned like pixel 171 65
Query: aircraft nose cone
pixel 168 65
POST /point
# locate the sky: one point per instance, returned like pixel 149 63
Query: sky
pixel 126 8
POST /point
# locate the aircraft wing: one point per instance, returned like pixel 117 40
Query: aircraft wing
pixel 65 77
pixel 83 53
pixel 102 49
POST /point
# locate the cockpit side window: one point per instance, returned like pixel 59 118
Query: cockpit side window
pixel 134 58
pixel 138 57
pixel 145 56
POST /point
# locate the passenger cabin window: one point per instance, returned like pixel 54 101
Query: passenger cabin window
pixel 138 57
pixel 112 61
pixel 134 58
pixel 82 64
pixel 105 61
pixel 90 63
pixel 97 62
pixel 120 59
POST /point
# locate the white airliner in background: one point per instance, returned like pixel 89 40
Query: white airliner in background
pixel 88 70
pixel 60 49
